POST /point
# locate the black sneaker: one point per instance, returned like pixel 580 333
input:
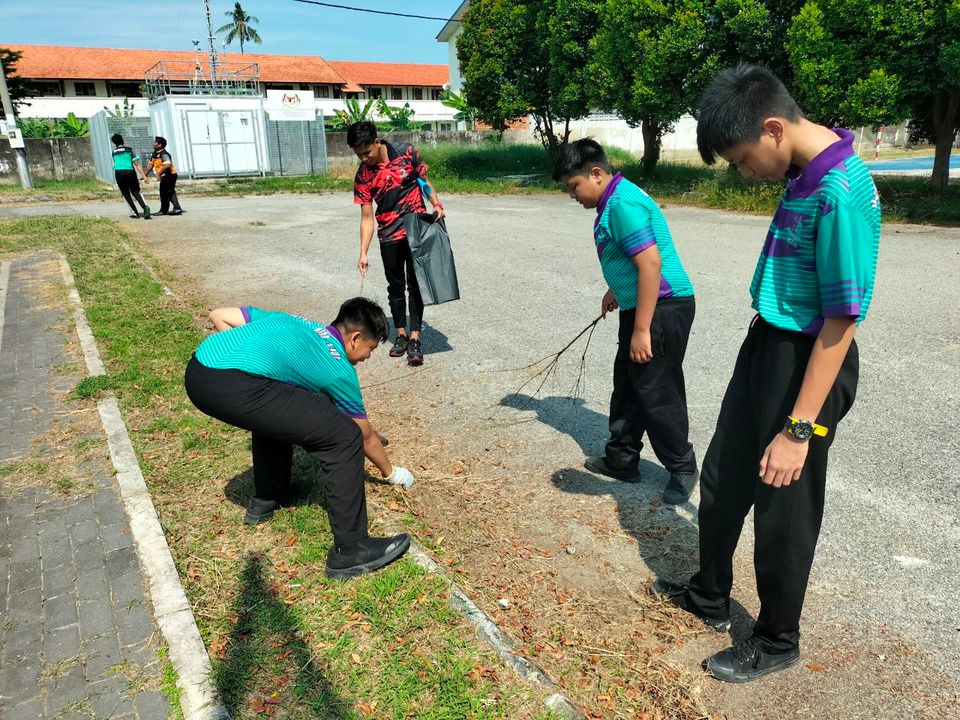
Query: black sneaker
pixel 599 465
pixel 747 660
pixel 399 346
pixel 678 596
pixel 178 211
pixel 363 556
pixel 679 487
pixel 260 510
pixel 414 352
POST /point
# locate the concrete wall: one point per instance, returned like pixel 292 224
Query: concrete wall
pixel 340 155
pixel 50 159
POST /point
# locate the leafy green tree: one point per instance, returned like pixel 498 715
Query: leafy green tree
pixel 18 88
pixel 652 58
pixel 240 27
pixel 398 118
pixel 459 103
pixel 873 62
pixel 529 57
pixel 353 113
pixel 71 126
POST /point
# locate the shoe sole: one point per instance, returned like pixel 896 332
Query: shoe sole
pixel 673 501
pixel 356 570
pixel 252 519
pixel 415 362
pixel 623 478
pixel 742 678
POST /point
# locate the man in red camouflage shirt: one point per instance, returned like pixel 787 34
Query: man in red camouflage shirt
pixel 389 175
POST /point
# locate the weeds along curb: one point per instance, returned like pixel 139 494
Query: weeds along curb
pixel 172 611
pixel 184 631
pixel 490 632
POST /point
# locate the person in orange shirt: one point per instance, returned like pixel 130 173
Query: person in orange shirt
pixel 161 165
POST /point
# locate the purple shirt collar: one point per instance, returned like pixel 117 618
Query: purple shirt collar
pixel 611 187
pixel 805 180
pixel 336 333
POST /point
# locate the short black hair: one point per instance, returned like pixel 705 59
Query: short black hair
pixel 361 134
pixel 578 157
pixel 734 106
pixel 161 140
pixel 116 139
pixel 365 315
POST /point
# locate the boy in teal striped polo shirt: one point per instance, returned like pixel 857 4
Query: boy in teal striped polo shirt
pixel 646 280
pixel 796 374
pixel 292 381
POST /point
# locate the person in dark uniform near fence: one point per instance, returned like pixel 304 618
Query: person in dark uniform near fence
pixel 163 168
pixel 126 167
pixel 389 175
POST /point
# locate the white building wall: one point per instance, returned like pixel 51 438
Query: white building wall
pixel 613 131
pixel 456 82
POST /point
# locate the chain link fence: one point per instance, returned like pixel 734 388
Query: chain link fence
pixel 297 147
pixel 137 133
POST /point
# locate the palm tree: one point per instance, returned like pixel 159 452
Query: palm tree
pixel 239 27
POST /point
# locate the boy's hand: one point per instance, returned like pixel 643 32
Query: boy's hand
pixel 438 211
pixel 362 264
pixel 783 460
pixel 641 349
pixel 608 303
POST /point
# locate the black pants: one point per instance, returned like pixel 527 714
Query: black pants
pixel 761 393
pixel 130 188
pixel 168 192
pixel 398 267
pixel 651 397
pixel 280 416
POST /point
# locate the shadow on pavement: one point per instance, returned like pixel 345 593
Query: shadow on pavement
pixel 667 541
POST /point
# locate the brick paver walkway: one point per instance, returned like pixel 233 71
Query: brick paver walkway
pixel 77 635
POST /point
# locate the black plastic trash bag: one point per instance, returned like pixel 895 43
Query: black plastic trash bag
pixel 432 258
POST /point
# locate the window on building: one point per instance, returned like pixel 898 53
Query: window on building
pixel 124 89
pixel 47 88
pixel 323 91
pixel 374 92
pixel 396 93
pixel 281 86
pixel 446 127
pixel 85 89
pixel 337 91
pixel 418 93
pixel 436 93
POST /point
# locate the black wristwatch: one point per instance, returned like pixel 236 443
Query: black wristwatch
pixel 803 429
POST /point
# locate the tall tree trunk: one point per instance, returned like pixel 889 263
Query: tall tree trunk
pixel 946 109
pixel 241 44
pixel 651 130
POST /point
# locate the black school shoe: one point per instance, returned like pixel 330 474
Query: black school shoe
pixel 260 509
pixel 678 596
pixel 399 346
pixel 679 487
pixel 414 352
pixel 747 660
pixel 599 465
pixel 363 556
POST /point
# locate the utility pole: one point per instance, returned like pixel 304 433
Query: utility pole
pixel 213 47
pixel 16 140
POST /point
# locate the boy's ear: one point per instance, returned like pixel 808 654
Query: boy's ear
pixel 774 126
pixel 597 173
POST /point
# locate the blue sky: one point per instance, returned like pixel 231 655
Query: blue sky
pixel 287 27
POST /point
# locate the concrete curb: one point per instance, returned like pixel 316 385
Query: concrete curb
pixel 494 636
pixel 171 607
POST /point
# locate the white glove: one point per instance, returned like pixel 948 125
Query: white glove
pixel 401 476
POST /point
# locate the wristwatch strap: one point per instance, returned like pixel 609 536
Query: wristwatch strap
pixel 818 430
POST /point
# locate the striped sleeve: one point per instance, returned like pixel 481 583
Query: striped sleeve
pixel 845 256
pixel 252 313
pixel 361 190
pixel 346 396
pixel 631 228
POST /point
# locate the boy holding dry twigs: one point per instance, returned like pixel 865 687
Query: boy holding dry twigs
pixel 647 282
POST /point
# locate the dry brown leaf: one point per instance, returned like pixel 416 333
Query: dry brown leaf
pixel 816 668
pixel 291 540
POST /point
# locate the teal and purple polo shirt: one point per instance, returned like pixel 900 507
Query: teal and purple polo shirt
pixel 628 222
pixel 820 256
pixel 288 349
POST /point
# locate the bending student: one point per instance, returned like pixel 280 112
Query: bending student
pixel 291 381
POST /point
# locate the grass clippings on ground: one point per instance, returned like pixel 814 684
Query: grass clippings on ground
pixel 285 642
